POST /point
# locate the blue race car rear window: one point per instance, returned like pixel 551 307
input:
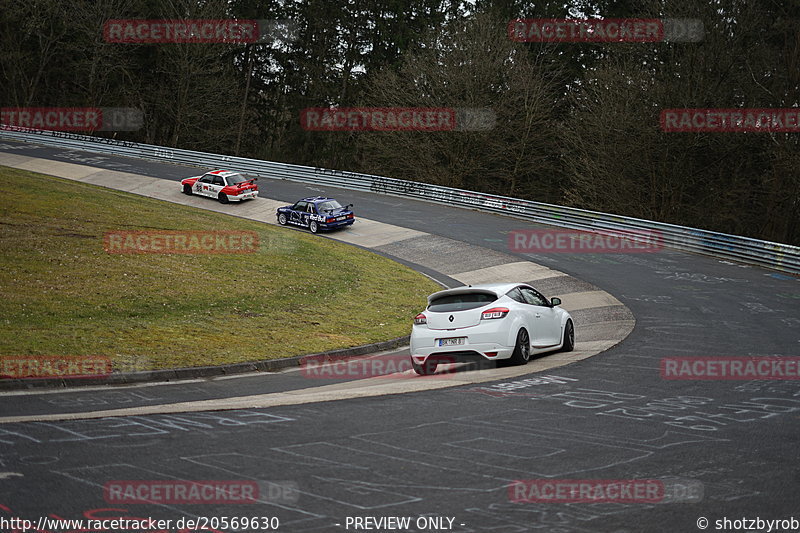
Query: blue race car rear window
pixel 328 206
pixel 461 302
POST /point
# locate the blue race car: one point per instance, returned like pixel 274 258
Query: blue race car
pixel 316 213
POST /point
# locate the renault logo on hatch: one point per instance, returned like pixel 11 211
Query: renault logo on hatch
pixel 451 318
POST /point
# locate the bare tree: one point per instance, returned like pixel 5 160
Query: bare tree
pixel 469 65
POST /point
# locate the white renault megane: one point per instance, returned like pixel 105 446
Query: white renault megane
pixel 503 321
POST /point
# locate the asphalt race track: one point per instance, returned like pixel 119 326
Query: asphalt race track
pixel 722 449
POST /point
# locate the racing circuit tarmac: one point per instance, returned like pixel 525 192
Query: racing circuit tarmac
pixel 726 448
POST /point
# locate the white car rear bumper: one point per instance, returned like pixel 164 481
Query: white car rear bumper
pixel 483 338
pixel 245 196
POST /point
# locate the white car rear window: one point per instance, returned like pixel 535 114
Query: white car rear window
pixel 461 302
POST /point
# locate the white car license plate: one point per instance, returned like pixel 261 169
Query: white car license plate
pixel 455 341
pixel 340 218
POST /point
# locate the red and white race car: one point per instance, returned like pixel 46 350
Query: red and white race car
pixel 224 185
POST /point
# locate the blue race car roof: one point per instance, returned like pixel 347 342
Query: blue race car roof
pixel 316 199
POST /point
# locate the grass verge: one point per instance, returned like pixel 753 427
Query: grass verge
pixel 62 294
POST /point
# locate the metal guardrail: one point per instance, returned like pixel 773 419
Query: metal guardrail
pixel 772 255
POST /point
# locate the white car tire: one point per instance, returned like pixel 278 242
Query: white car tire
pixel 522 350
pixel 569 337
pixel 428 368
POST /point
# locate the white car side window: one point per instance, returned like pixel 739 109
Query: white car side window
pixel 533 298
pixel 516 295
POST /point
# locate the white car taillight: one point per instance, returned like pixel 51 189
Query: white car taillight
pixel 420 319
pixel 495 312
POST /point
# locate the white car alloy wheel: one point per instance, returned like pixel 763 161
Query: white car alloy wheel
pixel 522 350
pixel 569 337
